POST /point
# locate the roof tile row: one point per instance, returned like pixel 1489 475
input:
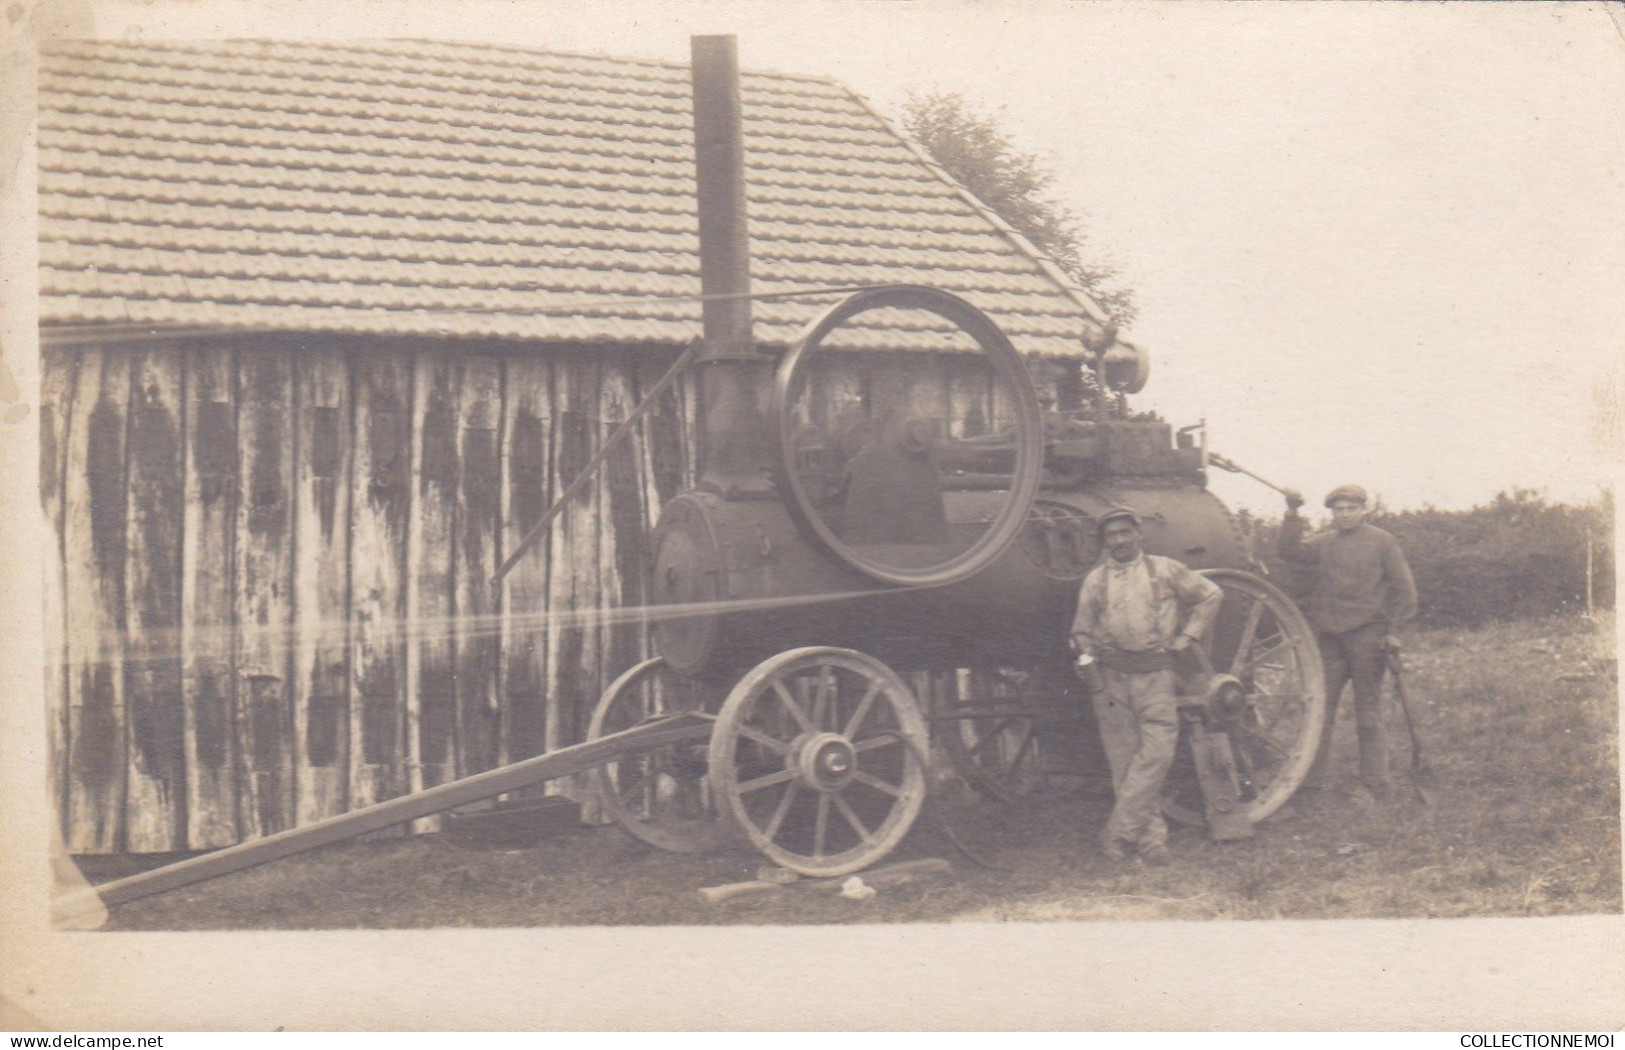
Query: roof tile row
pixel 546 186
pixel 774 237
pixel 582 246
pixel 576 271
pixel 69 149
pixel 457 191
pixel 447 66
pixel 421 95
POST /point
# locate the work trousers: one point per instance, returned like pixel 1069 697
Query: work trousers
pixel 1139 724
pixel 1355 656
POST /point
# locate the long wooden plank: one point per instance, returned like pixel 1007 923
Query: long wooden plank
pixel 58 372
pixel 528 452
pixel 380 496
pixel 622 545
pixel 321 593
pixel 692 398
pixel 263 589
pixel 573 658
pixel 93 520
pixel 208 681
pixel 479 507
pixel 431 711
pixel 155 802
pixel 658 475
pixel 672 729
pixel 622 537
pixel 1003 413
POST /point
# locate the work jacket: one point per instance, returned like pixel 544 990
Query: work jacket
pixel 1137 608
pixel 1361 576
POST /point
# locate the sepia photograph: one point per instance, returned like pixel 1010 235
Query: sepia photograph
pixel 1133 472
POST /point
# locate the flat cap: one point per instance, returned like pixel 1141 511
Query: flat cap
pixel 1117 513
pixel 1353 492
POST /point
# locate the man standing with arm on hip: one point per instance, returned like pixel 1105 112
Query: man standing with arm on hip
pixel 1362 590
pixel 1129 619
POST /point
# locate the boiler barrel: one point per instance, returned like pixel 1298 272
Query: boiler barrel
pixel 735 581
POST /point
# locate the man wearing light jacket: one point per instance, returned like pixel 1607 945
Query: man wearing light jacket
pixel 1362 590
pixel 1134 612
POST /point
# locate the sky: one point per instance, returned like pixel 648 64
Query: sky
pixel 1379 243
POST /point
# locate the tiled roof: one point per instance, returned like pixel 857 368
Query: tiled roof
pixel 442 189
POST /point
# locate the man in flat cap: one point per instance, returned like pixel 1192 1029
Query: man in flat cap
pixel 1362 590
pixel 1134 612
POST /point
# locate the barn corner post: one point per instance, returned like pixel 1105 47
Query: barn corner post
pixel 734 378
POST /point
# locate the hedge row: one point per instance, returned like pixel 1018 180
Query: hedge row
pixel 1516 557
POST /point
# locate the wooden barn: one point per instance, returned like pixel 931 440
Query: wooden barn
pixel 326 327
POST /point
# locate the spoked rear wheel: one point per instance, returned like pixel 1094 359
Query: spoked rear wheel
pixel 662 797
pixel 1274 720
pixel 817 757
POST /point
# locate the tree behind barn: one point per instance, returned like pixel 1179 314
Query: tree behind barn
pixel 970 146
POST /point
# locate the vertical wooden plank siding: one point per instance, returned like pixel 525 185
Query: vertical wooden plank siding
pixel 969 397
pixel 58 371
pixel 321 593
pixel 93 585
pixel 1003 411
pixel 208 535
pixel 264 599
pixel 663 445
pixel 274 567
pixel 928 397
pixel 838 393
pixel 618 508
pixel 155 803
pixel 479 506
pixel 431 696
pixel 381 493
pixel 890 378
pixel 528 444
pixel 913 384
pixel 692 399
pixel 572 657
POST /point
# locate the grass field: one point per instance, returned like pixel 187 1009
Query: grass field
pixel 1521 729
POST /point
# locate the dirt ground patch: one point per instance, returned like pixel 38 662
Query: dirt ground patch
pixel 1522 729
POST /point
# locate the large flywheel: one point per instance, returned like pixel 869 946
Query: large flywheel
pixel 915 468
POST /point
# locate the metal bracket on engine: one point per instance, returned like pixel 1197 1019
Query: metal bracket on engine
pixel 1215 759
pixel 1221 788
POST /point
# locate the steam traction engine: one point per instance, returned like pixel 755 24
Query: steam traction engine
pixel 858 568
pixel 870 552
pixel 882 542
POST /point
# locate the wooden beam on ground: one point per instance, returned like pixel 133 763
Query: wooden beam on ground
pixel 661 732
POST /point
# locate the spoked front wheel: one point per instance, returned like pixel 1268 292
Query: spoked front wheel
pixel 1274 719
pixel 817 757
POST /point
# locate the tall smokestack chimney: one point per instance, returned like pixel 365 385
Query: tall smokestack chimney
pixel 734 444
pixel 719 170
